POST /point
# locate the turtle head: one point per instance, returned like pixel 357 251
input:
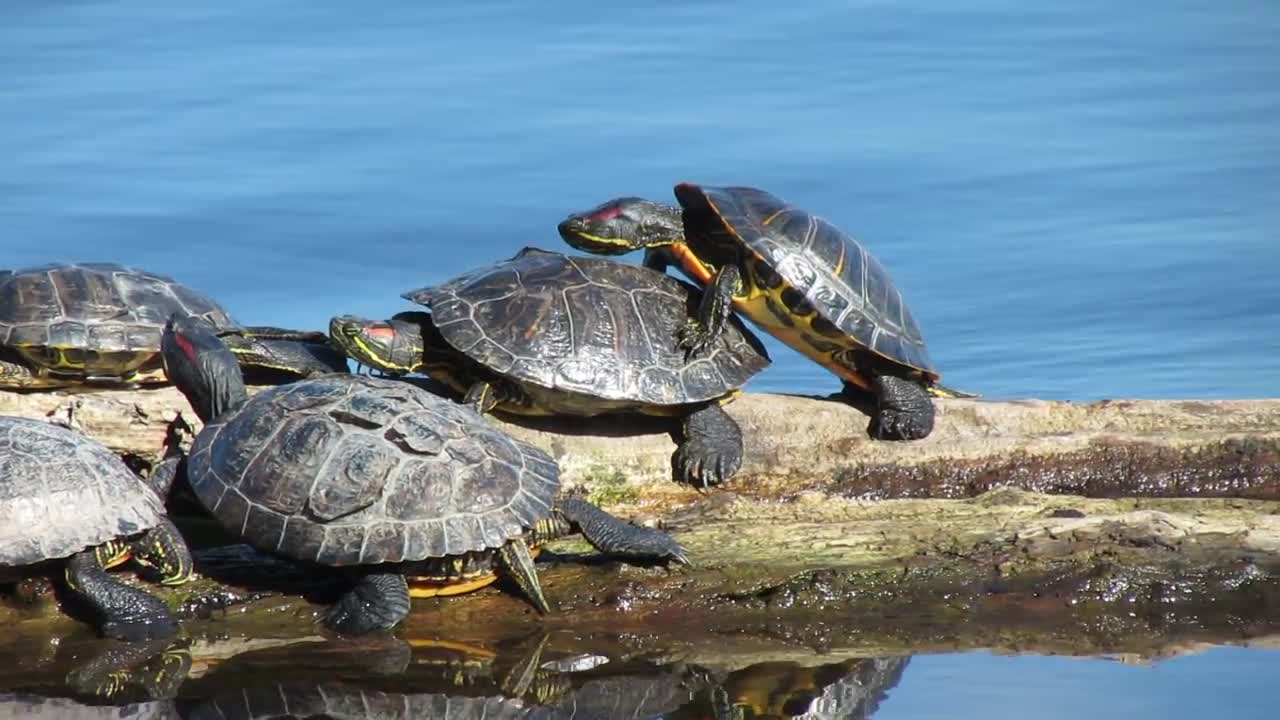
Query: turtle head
pixel 393 346
pixel 200 365
pixel 622 225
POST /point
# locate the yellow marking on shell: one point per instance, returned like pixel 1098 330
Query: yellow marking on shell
pixel 754 304
pixel 772 217
pixel 474 650
pixel 428 588
pixel 801 337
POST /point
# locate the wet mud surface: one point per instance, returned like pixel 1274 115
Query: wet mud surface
pixel 783 596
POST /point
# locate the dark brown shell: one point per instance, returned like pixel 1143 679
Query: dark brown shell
pixel 831 271
pixel 347 469
pixel 61 492
pixel 96 306
pixel 591 326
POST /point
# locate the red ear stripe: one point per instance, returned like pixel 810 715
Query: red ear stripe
pixel 380 331
pixel 607 214
pixel 186 346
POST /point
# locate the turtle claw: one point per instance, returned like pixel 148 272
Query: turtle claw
pixel 657 544
pixel 699 461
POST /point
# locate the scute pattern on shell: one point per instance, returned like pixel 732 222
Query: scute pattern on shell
pixel 100 306
pixel 589 325
pixel 61 492
pixel 347 469
pixel 836 275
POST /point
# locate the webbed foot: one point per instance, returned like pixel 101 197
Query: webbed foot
pixel 711 450
pixel 379 601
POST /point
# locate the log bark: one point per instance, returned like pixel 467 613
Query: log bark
pixel 1114 448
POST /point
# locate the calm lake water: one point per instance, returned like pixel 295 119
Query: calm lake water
pixel 1078 200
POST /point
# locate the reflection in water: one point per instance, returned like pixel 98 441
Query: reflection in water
pixel 37 707
pixel 391 678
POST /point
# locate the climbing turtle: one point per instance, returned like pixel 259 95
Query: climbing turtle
pixel 795 275
pixel 546 333
pixel 350 470
pixel 68 503
pixel 71 324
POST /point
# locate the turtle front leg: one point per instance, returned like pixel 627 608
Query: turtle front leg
pixel 124 612
pixel 700 332
pixel 614 537
pixel 379 601
pixel 904 410
pixel 711 450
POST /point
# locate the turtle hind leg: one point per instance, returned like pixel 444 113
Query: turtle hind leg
pixel 125 613
pixel 612 536
pixel 378 601
pixel 517 561
pixel 710 451
pixel 903 411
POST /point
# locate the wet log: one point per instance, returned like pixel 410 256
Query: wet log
pixel 1113 448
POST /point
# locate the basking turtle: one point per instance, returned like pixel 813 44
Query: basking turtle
pixel 69 324
pixel 795 275
pixel 349 470
pixel 545 333
pixel 67 502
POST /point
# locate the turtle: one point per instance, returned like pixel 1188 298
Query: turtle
pixel 379 476
pixel 75 324
pixel 544 333
pixel 68 504
pixel 795 275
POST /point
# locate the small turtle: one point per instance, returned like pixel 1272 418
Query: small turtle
pixel 349 470
pixel 795 275
pixel 67 502
pixel 65 325
pixel 545 333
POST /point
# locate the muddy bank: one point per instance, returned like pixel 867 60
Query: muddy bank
pixel 804 579
pixel 827 545
pixel 1219 448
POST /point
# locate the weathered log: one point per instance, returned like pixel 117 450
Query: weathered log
pixel 1169 448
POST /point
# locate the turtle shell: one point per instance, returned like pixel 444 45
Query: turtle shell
pixel 347 470
pixel 103 308
pixel 590 326
pixel 823 269
pixel 62 492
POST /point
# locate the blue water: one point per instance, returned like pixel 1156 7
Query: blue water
pixel 1078 200
pixel 1222 682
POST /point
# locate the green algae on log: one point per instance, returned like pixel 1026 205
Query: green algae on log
pixel 1113 448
